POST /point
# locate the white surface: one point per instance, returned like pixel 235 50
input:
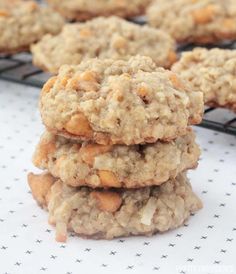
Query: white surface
pixel 207 244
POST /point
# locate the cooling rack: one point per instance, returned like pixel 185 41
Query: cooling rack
pixel 18 68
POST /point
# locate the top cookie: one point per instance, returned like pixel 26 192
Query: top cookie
pixel 195 21
pixel 119 102
pixel 23 23
pixel 212 72
pixel 101 37
pixel 86 9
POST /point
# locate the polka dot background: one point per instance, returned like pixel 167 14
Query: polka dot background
pixel 205 244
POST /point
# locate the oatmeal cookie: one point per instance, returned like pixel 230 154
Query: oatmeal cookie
pixel 111 37
pixel 103 214
pixel 23 23
pixel 115 166
pixel 86 9
pixel 195 21
pixel 119 102
pixel 213 73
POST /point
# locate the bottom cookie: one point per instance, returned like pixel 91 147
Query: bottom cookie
pixel 103 214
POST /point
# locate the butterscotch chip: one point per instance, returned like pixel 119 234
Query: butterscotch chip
pixel 108 178
pixel 90 151
pixel 23 23
pixel 40 186
pixel 79 125
pixel 49 84
pixel 202 21
pixel 85 9
pixel 142 91
pixel 107 200
pixel 177 83
pixel 4 13
pixel 103 38
pixel 213 73
pixel 47 147
pixel 135 102
pixel 204 15
pixel 118 165
pixel 103 214
pixel 172 57
pixel 228 23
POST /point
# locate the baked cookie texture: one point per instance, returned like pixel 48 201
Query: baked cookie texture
pixel 103 214
pixel 103 38
pixel 86 9
pixel 195 21
pixel 213 73
pixel 115 166
pixel 23 23
pixel 119 102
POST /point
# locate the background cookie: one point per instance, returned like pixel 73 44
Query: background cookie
pixel 116 166
pixel 213 73
pixel 23 23
pixel 109 214
pixel 103 38
pixel 86 9
pixel 119 102
pixel 202 22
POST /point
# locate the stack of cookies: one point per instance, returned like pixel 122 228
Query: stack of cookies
pixel 116 148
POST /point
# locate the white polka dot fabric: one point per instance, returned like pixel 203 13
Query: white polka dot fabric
pixel 205 244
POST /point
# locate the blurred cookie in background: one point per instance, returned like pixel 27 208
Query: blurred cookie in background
pixel 25 22
pixel 102 37
pixel 191 21
pixel 81 10
pixel 213 73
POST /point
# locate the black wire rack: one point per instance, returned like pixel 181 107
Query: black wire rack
pixel 18 68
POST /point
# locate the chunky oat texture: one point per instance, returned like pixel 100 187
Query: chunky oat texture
pixel 119 102
pixel 111 37
pixel 116 166
pixel 197 21
pixel 23 23
pixel 116 213
pixel 213 73
pixel 86 9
